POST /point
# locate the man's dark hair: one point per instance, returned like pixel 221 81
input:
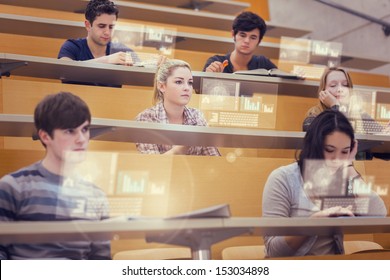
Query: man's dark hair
pixel 62 110
pixel 96 8
pixel 247 21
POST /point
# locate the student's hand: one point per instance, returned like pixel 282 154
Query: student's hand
pixel 217 66
pixel 328 99
pixel 336 211
pixel 121 58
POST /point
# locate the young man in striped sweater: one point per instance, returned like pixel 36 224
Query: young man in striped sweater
pixel 38 192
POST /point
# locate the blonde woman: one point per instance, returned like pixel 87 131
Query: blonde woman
pixel 173 87
pixel 333 93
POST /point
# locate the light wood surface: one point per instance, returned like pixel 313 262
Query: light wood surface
pixel 57 28
pixel 162 14
pixel 203 181
pixel 192 230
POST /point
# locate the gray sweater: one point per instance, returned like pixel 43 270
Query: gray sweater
pixel 283 196
pixel 35 194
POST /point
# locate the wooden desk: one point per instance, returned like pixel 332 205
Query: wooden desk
pixel 57 28
pixel 145 132
pixel 52 68
pixel 199 234
pixel 64 29
pixel 214 6
pixel 163 14
pixel 84 71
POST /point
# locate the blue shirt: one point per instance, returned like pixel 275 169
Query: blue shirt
pixel 77 49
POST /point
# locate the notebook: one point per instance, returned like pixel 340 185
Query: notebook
pixel 270 73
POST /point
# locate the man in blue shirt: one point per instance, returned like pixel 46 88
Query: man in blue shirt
pixel 248 30
pixel 100 20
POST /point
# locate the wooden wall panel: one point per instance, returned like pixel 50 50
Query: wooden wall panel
pixel 378 170
pixel 259 7
pixel 12 160
pixel 21 97
pixel 37 46
pixel 51 14
pixel 370 79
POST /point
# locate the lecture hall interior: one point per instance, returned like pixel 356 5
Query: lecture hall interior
pixel 254 120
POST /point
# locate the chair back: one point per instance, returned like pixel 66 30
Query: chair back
pixel 253 252
pixel 154 254
pixel 356 246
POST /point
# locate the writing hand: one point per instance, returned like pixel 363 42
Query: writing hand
pixel 121 58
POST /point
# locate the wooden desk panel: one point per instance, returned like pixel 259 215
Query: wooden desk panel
pixel 214 6
pixel 161 14
pixel 145 132
pixel 369 255
pixel 83 71
pixel 64 29
pixel 33 232
pixel 58 28
pixel 21 97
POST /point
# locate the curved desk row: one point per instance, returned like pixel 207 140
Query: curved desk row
pixel 215 6
pixel 83 71
pixel 57 28
pixel 213 18
pixel 199 234
pixel 64 29
pixel 145 132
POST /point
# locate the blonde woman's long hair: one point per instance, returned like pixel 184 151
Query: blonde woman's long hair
pixel 164 71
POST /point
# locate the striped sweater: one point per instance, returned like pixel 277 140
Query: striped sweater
pixel 35 194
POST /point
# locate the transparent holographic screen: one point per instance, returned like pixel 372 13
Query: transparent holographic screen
pixel 142 179
pixel 323 178
pixel 147 41
pixel 243 98
pixel 309 57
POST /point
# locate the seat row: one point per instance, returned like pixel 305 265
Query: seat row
pixel 253 252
